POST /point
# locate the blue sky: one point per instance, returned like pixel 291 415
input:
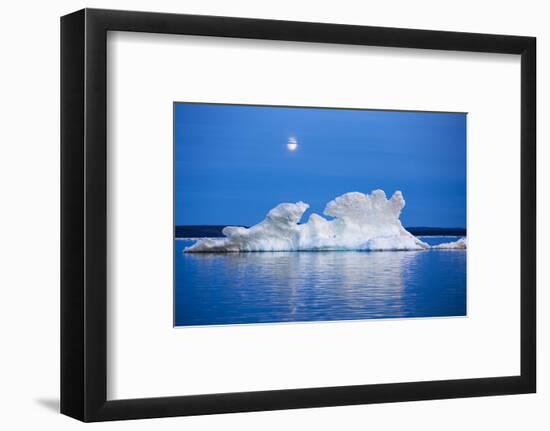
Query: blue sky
pixel 232 164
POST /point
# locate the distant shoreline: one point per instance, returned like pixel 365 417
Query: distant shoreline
pixel 215 231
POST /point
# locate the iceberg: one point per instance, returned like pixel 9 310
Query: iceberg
pixel 461 244
pixel 358 221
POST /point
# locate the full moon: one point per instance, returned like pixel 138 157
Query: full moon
pixel 292 143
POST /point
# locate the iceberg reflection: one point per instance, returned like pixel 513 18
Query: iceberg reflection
pixel 317 286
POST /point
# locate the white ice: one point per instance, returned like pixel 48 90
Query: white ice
pixel 460 244
pixel 357 221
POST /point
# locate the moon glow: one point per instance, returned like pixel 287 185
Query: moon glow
pixel 292 143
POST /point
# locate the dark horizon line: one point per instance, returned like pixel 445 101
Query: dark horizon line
pixel 243 225
pixel 192 231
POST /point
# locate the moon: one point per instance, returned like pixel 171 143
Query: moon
pixel 292 143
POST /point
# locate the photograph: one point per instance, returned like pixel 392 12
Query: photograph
pixel 311 214
pixel 266 216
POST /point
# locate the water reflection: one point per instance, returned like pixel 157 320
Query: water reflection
pixel 314 286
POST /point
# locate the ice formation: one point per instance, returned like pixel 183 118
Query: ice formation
pixel 358 222
pixel 461 244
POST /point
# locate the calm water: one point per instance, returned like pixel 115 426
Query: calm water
pixel 215 289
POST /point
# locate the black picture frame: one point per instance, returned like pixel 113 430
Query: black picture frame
pixel 84 214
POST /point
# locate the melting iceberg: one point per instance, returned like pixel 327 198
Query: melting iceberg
pixel 357 221
pixel 461 244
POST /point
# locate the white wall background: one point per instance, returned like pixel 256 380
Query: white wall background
pixel 29 236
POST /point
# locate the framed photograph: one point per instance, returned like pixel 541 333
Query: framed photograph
pixel 262 215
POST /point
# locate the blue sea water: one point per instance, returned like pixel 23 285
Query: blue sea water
pixel 268 287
